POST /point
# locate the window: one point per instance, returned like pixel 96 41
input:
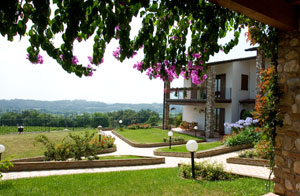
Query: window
pixel 244 82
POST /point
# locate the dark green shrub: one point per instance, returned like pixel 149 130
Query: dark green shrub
pixel 246 136
pixel 174 139
pixel 205 171
pixel 58 152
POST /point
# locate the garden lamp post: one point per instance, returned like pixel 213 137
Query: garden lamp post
pixel 195 128
pixel 100 132
pixel 192 147
pixel 2 149
pixel 170 134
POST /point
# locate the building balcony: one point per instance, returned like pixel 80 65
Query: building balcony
pixel 195 96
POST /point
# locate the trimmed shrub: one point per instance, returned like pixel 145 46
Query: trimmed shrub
pixel 205 171
pixel 247 135
pixel 174 139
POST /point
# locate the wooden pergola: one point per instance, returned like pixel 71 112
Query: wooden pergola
pixel 281 14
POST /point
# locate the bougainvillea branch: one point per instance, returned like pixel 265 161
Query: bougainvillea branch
pixel 166 28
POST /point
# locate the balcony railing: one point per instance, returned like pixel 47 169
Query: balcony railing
pixel 198 94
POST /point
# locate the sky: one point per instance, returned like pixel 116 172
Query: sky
pixel 113 82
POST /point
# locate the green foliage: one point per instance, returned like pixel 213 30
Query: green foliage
pixel 36 121
pixel 205 171
pixel 264 149
pixel 75 146
pixel 4 166
pixel 79 20
pixel 58 152
pixel 247 135
pixel 178 120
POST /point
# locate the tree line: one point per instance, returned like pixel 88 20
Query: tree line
pixel 110 119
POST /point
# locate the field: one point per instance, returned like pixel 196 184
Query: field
pixel 24 145
pixel 13 129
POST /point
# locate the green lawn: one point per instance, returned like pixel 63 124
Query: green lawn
pixel 152 135
pixel 182 148
pixel 163 182
pixel 24 145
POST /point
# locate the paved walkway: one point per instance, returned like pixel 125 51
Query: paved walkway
pixel 125 149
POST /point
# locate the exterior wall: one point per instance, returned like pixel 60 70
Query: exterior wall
pixel 233 71
pixel 287 151
pixel 192 113
pixel 227 107
pixel 239 68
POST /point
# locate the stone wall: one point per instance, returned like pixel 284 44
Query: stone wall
pixel 260 64
pixel 287 152
pixel 166 109
pixel 210 102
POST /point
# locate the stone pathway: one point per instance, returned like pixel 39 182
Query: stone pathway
pixel 125 149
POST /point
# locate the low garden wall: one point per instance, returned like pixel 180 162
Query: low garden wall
pixel 248 161
pixel 41 158
pixel 50 165
pixel 152 144
pixel 204 153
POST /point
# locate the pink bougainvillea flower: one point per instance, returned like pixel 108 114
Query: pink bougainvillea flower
pixel 133 54
pixel 196 55
pixel 116 53
pixel 75 60
pixel 117 28
pixel 39 60
pixel 173 37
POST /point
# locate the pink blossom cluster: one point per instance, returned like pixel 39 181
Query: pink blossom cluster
pixel 91 60
pixel 191 72
pixel 116 53
pixel 138 66
pixel 75 60
pixel 40 59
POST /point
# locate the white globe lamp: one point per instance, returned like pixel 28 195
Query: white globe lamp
pixel 192 147
pixel 2 149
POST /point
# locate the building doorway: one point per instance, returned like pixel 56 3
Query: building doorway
pixel 220 120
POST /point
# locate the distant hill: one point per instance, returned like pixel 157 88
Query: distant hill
pixel 76 106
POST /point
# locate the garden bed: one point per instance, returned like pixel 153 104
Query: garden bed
pixel 149 145
pixel 50 165
pixel 248 161
pixel 41 158
pixel 204 153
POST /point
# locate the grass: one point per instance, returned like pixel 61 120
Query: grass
pixel 112 157
pixel 24 145
pixel 164 182
pixel 182 148
pixel 152 135
pixel 13 129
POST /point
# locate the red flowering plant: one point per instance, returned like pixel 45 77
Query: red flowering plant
pixel 139 126
pixel 106 141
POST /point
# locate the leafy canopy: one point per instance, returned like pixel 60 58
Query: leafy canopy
pixel 177 36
